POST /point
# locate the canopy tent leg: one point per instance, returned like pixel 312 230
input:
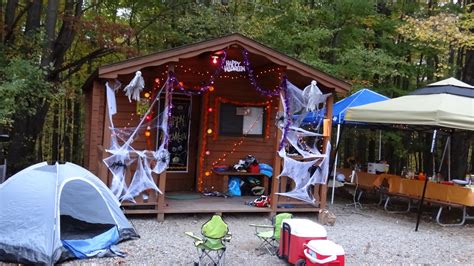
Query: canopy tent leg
pixel 380 144
pixel 420 208
pixel 449 159
pixel 335 163
pixel 446 146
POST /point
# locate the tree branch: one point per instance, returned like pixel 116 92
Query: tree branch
pixel 76 65
pixel 9 30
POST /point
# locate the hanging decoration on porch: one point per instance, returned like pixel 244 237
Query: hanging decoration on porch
pixel 314 167
pixel 157 161
pixel 133 89
pixel 122 139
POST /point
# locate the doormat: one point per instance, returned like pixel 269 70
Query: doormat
pixel 183 196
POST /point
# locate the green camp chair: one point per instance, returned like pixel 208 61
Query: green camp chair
pixel 212 246
pixel 270 238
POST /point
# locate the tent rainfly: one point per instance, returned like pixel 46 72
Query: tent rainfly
pixel 50 213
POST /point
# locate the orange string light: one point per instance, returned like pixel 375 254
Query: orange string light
pixel 200 182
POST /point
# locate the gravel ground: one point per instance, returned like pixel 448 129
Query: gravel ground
pixel 368 235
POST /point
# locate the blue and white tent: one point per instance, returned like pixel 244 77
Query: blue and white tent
pixel 362 97
pixel 51 213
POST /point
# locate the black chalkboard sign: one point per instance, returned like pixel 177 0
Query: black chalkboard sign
pixel 178 144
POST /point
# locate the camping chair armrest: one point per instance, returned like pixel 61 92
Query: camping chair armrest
pixel 190 234
pixel 261 225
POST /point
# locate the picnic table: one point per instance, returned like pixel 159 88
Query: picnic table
pixel 436 193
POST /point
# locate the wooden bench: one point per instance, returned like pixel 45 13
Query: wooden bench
pixel 225 179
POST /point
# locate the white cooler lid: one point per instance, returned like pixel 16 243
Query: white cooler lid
pixel 305 228
pixel 325 247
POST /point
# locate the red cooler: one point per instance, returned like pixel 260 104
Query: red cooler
pixel 324 252
pixel 295 233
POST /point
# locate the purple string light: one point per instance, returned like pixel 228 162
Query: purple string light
pixel 207 85
pixel 218 71
pixel 169 90
pixel 253 81
pixel 286 106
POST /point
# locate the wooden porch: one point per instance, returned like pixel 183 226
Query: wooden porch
pixel 198 203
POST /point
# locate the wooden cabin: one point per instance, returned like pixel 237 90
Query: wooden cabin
pixel 209 129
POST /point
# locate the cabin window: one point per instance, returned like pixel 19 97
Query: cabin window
pixel 237 120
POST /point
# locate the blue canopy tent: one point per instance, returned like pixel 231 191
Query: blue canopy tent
pixel 362 97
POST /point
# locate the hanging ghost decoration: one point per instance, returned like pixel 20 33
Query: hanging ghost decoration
pixel 133 89
pixel 312 95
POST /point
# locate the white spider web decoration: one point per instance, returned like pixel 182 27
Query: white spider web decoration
pixel 296 105
pixel 121 144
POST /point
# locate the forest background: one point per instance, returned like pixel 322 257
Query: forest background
pixel 49 48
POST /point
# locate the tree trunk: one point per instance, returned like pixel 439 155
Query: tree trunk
pixel 50 26
pixel 77 136
pixel 388 155
pixel 33 19
pixel 2 25
pixel 67 130
pixel 24 133
pixel 460 148
pixel 10 11
pixel 371 156
pixel 361 146
pixel 347 150
pixel 427 155
pixel 72 12
pixel 472 157
pixel 55 134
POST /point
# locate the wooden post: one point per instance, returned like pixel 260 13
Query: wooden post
pixel 95 129
pixel 102 171
pixel 323 188
pixel 162 182
pixel 276 170
pixel 161 197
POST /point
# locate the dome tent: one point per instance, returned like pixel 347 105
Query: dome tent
pixel 50 213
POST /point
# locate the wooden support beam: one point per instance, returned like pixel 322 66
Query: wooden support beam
pixel 162 182
pixel 323 188
pixel 276 170
pixel 161 197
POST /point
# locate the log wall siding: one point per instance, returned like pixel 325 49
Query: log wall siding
pixel 95 130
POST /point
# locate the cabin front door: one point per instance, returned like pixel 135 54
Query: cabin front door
pixel 183 142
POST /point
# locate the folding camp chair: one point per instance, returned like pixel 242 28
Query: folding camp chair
pixel 270 238
pixel 211 247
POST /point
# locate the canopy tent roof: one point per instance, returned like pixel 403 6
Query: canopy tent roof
pixel 435 110
pixel 449 86
pixel 362 97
